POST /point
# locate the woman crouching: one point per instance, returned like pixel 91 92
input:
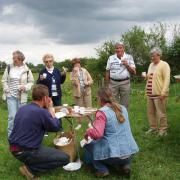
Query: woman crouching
pixel 113 143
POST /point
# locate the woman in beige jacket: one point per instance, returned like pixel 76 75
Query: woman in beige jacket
pixel 81 85
pixel 17 80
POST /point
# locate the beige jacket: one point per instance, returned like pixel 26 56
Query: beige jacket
pixel 26 79
pixel 76 83
pixel 161 78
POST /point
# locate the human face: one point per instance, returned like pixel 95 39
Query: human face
pixel 78 65
pixel 155 58
pixel 49 62
pixel 119 50
pixel 16 60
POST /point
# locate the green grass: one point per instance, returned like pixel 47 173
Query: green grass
pixel 158 158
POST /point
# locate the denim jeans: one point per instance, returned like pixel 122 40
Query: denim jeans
pixel 13 105
pixel 42 159
pixel 101 165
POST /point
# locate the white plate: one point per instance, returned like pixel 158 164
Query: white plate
pixel 60 115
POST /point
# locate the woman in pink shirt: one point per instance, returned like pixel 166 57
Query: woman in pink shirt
pixel 113 142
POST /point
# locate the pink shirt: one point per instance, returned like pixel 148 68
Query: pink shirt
pixel 99 123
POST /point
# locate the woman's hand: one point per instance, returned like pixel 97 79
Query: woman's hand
pixel 41 77
pixel 22 88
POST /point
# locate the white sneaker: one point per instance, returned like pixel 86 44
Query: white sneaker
pixel 162 133
pixel 151 131
pixel 78 127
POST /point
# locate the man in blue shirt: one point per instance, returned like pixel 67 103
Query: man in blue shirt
pixel 30 124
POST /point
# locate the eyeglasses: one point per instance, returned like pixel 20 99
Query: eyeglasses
pixel 48 62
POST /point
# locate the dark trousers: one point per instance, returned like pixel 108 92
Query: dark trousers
pixel 101 165
pixel 42 159
pixel 56 100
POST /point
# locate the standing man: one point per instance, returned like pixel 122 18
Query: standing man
pixel 118 70
pixel 30 124
pixel 157 89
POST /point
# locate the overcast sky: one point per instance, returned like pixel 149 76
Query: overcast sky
pixel 74 28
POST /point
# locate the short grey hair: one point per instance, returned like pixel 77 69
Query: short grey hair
pixel 47 55
pixel 156 50
pixel 119 43
pixel 19 54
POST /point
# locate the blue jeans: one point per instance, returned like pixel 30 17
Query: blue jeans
pixel 13 105
pixel 100 165
pixel 42 159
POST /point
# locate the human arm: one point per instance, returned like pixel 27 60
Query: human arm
pixel 166 78
pixel 30 81
pixel 89 79
pixel 99 123
pixel 5 81
pixel 128 62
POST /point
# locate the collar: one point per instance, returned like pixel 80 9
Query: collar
pixel 50 70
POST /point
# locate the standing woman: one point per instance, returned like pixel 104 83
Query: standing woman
pixel 17 80
pixel 81 82
pixel 52 78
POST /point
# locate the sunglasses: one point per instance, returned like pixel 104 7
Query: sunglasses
pixel 48 62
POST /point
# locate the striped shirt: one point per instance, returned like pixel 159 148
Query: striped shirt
pixel 15 75
pixel 54 87
pixel 149 83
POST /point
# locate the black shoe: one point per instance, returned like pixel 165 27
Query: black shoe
pixel 125 172
pixel 101 174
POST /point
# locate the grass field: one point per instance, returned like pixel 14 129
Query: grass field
pixel 158 159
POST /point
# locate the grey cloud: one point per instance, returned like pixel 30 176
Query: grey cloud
pixel 84 21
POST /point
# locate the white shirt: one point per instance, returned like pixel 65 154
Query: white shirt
pixel 117 70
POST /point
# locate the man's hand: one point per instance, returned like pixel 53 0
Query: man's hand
pixel 124 62
pixel 52 111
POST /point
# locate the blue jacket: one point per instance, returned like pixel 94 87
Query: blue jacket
pixel 118 140
pixel 48 81
pixel 30 124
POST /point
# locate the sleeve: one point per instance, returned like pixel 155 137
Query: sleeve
pixel 74 78
pixel 30 81
pixel 166 77
pixel 63 77
pixel 50 124
pixel 108 64
pixel 89 78
pixel 5 81
pixel 131 62
pixel 97 131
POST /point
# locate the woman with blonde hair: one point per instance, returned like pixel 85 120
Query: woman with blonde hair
pixel 113 143
pixel 52 78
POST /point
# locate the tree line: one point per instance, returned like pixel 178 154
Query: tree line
pixel 138 43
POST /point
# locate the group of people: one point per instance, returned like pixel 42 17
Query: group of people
pixel 113 143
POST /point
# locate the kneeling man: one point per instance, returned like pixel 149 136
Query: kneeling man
pixel 30 124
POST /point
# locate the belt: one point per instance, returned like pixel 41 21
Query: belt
pixel 18 149
pixel 119 80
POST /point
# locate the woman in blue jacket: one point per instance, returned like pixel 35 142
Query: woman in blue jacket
pixel 52 78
